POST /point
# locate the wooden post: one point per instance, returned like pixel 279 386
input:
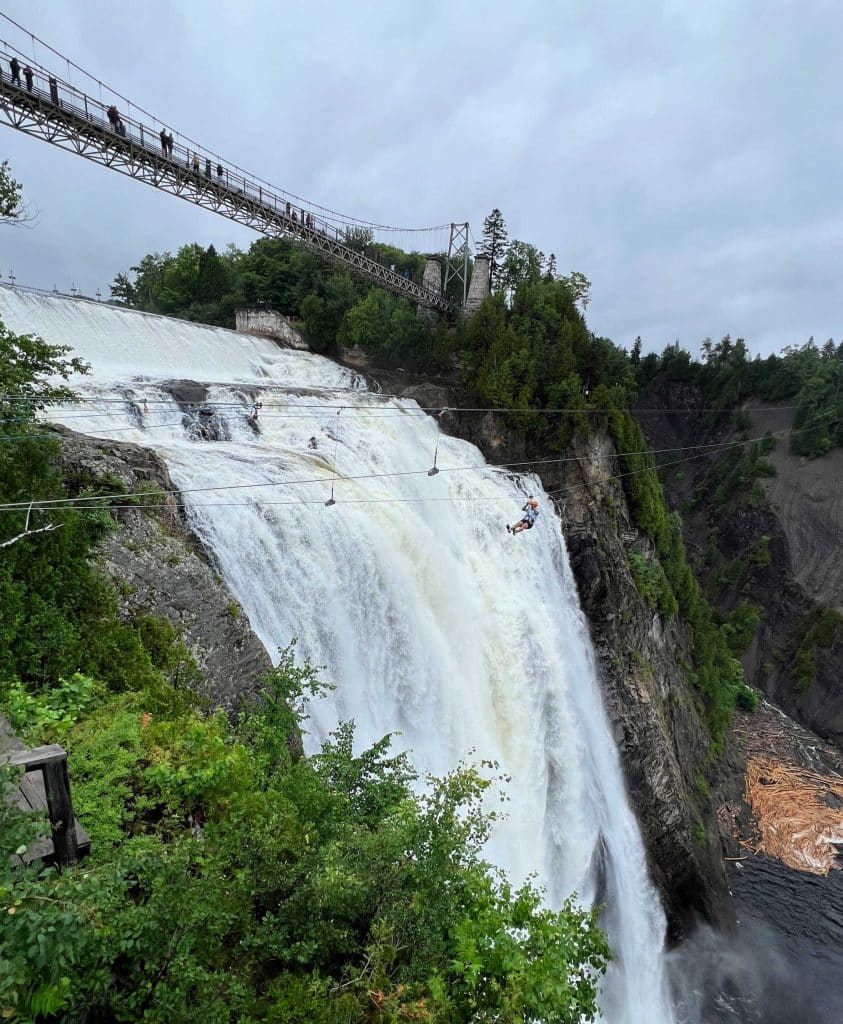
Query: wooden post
pixel 60 806
pixel 51 761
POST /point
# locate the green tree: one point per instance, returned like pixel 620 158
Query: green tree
pixel 580 288
pixel 13 209
pixel 358 238
pixel 123 290
pixel 212 278
pixel 493 244
pixel 522 263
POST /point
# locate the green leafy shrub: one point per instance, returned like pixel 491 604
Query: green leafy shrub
pixel 48 715
pixel 652 584
pixel 268 888
pixel 819 630
pixel 740 626
pixel 747 698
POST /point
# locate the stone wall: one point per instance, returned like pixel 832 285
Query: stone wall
pixel 479 286
pixel 269 323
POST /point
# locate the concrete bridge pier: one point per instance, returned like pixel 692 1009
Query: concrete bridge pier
pixel 431 280
pixel 479 287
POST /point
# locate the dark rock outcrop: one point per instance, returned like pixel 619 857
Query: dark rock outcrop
pixel 159 568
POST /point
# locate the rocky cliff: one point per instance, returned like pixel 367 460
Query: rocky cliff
pixel 159 568
pixel 764 533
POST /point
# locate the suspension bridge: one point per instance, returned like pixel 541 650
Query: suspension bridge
pixel 110 130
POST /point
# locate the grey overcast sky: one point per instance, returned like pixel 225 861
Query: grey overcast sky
pixel 685 156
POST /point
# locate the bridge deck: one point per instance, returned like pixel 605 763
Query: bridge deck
pixel 59 113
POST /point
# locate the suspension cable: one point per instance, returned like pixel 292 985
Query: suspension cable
pixel 57 503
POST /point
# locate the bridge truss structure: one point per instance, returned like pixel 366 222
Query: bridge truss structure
pixel 51 109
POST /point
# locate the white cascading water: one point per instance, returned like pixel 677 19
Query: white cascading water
pixel 430 619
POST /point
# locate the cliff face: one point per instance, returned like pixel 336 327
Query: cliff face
pixel 158 567
pixel 643 660
pixel 771 541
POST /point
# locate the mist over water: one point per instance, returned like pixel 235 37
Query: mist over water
pixel 430 619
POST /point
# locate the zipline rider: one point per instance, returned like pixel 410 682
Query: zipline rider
pixel 531 512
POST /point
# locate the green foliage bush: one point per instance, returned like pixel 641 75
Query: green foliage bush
pixel 652 584
pixel 45 716
pixel 819 630
pixel 231 883
pixel 740 626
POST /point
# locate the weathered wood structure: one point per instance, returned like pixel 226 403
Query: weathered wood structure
pixel 45 785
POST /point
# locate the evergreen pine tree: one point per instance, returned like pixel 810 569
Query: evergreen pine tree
pixel 494 244
pixel 635 354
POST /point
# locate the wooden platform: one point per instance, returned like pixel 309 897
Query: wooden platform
pixel 30 793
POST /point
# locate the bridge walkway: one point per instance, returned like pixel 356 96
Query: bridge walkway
pixel 46 107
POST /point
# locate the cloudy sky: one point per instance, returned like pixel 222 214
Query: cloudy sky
pixel 685 156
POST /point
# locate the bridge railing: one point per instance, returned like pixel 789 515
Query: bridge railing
pixel 306 222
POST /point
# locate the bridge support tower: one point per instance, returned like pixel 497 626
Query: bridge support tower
pixel 432 281
pixel 480 286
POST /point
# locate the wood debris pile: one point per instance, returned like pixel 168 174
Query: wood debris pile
pixel 799 813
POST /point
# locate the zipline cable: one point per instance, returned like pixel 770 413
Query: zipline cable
pixel 346 501
pixel 56 503
pixel 417 408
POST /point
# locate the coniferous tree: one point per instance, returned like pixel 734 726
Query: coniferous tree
pixel 635 354
pixel 550 273
pixel 212 278
pixel 494 244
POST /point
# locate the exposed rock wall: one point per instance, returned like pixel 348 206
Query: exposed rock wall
pixel 781 537
pixel 159 568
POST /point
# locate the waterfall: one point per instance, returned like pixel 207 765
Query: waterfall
pixel 432 621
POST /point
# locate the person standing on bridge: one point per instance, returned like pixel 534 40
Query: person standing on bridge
pixel 162 135
pixel 207 167
pixel 15 66
pixel 220 173
pixel 27 74
pixel 170 144
pixel 195 163
pixel 54 89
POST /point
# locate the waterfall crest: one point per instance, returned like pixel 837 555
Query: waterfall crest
pixel 431 620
